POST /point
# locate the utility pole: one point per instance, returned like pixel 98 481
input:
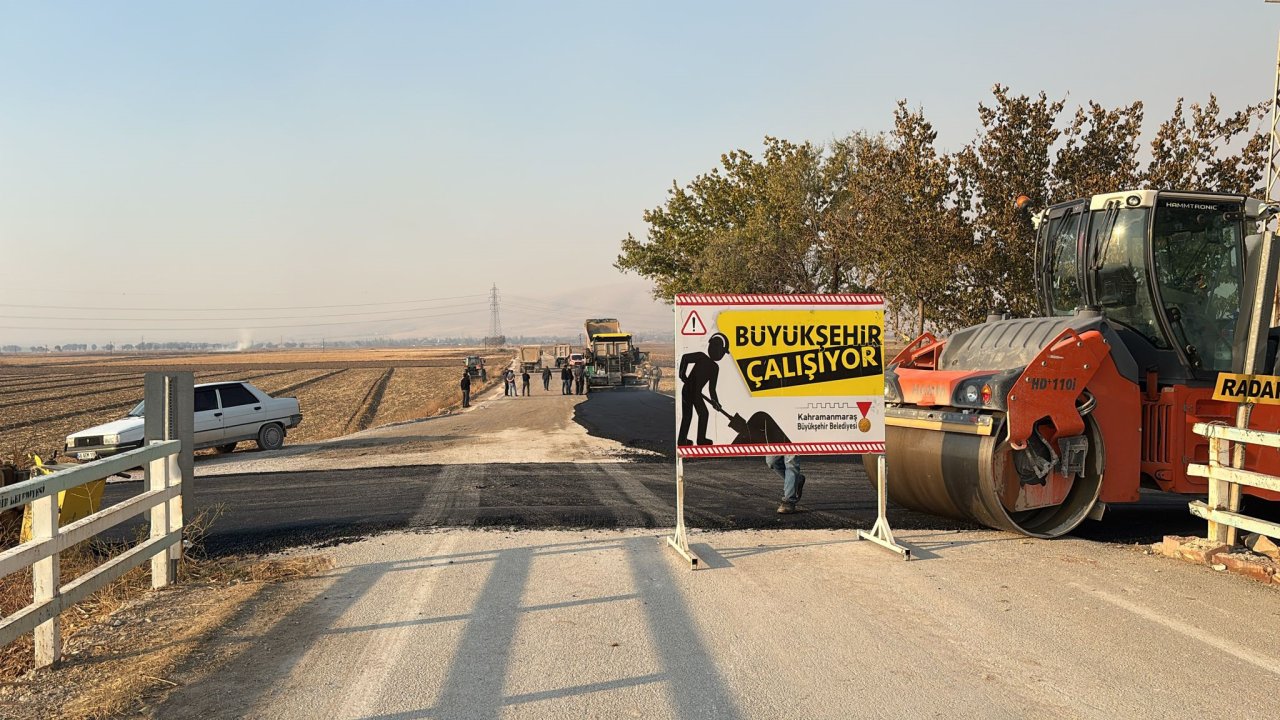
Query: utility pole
pixel 1273 147
pixel 1273 167
pixel 495 321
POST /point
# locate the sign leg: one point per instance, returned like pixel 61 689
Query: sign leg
pixel 680 539
pixel 881 534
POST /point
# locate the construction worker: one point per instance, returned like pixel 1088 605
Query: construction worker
pixel 788 468
pixel 566 380
pixel 524 382
pixel 579 378
pixel 466 389
pixel 546 378
pixel 655 377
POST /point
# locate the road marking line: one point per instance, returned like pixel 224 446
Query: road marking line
pixel 1265 662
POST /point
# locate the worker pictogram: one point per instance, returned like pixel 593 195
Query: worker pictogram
pixel 693 325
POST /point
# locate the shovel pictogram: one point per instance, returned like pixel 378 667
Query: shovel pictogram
pixel 760 429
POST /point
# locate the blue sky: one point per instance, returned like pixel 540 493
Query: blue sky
pixel 239 155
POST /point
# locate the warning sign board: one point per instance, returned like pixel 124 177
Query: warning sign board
pixel 780 375
pixel 1260 389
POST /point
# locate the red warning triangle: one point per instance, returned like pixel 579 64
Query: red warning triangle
pixel 864 406
pixel 693 325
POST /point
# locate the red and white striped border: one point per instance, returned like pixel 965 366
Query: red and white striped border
pixel 838 299
pixel 840 448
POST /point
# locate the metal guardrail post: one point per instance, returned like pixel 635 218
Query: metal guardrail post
pixel 170 415
pixel 182 466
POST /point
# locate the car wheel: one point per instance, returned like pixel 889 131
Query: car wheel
pixel 270 437
pixel 227 449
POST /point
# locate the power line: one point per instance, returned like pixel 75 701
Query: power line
pixel 542 305
pixel 233 327
pixel 228 309
pixel 233 319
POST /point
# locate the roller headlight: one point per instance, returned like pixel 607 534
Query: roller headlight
pixel 977 393
pixel 110 439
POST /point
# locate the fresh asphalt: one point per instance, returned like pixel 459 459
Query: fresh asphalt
pixel 263 512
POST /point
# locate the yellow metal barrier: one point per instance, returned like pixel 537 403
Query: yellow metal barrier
pixel 73 503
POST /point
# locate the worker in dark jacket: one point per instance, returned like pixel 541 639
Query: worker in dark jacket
pixel 466 388
pixel 566 380
pixel 546 378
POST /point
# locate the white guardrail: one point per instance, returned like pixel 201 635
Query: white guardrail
pixel 1225 482
pixel 161 497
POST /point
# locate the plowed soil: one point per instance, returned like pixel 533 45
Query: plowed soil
pixel 46 397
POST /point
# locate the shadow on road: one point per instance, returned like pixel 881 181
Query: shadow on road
pixel 314 638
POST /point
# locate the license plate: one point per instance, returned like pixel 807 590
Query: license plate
pixel 86 456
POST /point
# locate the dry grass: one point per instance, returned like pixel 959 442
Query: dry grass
pixel 122 642
pixel 16 589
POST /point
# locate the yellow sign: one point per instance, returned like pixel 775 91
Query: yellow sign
pixel 1263 389
pixel 789 353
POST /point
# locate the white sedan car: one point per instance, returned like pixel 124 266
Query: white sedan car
pixel 226 413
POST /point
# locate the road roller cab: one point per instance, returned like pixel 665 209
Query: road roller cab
pixel 1027 424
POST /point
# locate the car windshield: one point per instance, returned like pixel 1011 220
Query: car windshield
pixel 137 410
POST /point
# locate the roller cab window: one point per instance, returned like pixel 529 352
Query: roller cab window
pixel 1197 247
pixel 1118 237
pixel 1062 243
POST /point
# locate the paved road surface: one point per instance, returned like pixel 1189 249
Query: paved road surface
pixel 793 624
pixel 547 461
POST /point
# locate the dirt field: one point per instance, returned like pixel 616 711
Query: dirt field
pixel 44 398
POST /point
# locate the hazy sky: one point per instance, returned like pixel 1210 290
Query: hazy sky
pixel 248 162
